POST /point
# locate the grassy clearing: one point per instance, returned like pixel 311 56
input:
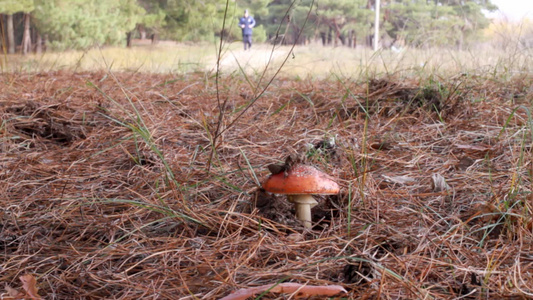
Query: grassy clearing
pixel 166 57
pixel 311 61
pixel 106 194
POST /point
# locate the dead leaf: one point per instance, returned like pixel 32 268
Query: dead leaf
pixel 475 149
pixel 399 179
pixel 464 163
pixel 439 183
pixel 29 284
pixel 485 211
pixel 13 293
pixel 301 290
pixel 379 145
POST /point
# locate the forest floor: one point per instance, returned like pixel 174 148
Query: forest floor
pixel 110 188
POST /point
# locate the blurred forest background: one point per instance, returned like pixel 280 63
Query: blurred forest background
pixel 34 25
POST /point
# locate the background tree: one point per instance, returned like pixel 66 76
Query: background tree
pixel 437 22
pixel 131 15
pixel 191 20
pixel 154 20
pixel 510 36
pixel 285 22
pixel 342 20
pixel 79 24
pixel 10 7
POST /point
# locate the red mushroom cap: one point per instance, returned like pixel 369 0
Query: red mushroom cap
pixel 299 180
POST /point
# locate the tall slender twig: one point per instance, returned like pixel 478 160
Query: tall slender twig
pixel 218 131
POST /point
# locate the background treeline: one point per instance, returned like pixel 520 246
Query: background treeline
pixel 27 25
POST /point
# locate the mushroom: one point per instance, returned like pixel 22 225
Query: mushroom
pixel 300 182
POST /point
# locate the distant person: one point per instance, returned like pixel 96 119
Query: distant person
pixel 247 23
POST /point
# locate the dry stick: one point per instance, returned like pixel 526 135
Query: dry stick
pixel 271 53
pixel 274 44
pixel 219 132
pixel 273 77
pixel 221 106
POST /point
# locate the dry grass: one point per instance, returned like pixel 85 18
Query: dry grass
pixel 101 200
pixel 313 60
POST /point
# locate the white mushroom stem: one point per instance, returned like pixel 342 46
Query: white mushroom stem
pixel 303 204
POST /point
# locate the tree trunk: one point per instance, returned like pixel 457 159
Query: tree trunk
pixel 351 39
pixel 39 48
pixel 128 39
pixel 142 31
pixel 337 33
pixel 26 38
pixel 45 42
pixel 10 35
pixel 155 38
pixel 342 38
pixel 323 38
pixel 295 32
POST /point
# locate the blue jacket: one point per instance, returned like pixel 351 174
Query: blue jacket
pixel 248 23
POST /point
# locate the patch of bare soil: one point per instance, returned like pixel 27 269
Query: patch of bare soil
pixel 108 188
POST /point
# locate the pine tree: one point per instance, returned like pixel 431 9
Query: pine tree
pixel 191 20
pixel 10 7
pixel 342 20
pixel 291 21
pixel 80 24
pixel 154 19
pixel 436 22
